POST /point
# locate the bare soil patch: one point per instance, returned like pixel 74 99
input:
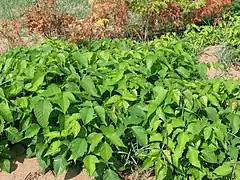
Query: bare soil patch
pixel 210 56
pixel 28 169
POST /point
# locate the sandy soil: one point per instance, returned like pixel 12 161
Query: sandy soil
pixel 210 56
pixel 28 169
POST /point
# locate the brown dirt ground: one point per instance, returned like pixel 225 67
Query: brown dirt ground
pixel 210 56
pixel 28 169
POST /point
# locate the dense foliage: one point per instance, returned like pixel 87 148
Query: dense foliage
pixel 135 19
pixel 227 34
pixel 116 104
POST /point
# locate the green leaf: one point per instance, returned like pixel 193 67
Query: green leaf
pixel 101 113
pixel 141 135
pixel 94 139
pixel 32 131
pixel 111 134
pixel 1 124
pixel 81 58
pixel 51 90
pixel 2 95
pixel 62 100
pixel 5 165
pixel 235 123
pixel 37 81
pixel 74 127
pixel 213 100
pixel 202 70
pixel 78 147
pixel 90 164
pixel 156 137
pixel 53 149
pixel 13 134
pixel 209 155
pixel 88 85
pixel 183 72
pixel 110 175
pixel 42 111
pixel 207 132
pixel 5 112
pixel 204 100
pixel 223 170
pixel 113 99
pixel 192 155
pixel 212 114
pixel 87 115
pixel 237 172
pixel 182 140
pixel 105 151
pixel 150 59
pixel 59 165
pixel 52 135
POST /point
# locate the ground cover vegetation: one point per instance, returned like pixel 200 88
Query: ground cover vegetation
pixel 115 105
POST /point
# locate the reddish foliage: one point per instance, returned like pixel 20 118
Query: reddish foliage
pixel 174 17
pixel 212 8
pixel 10 30
pixel 107 19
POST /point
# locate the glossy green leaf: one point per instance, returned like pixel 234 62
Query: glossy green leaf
pixel 111 134
pixel 78 148
pixel 5 112
pixel 90 163
pixel 209 155
pixel 212 114
pixel 94 139
pixel 192 155
pixel 32 130
pixel 100 111
pixel 42 111
pixel 87 114
pixel 13 134
pixel 105 151
pixel 81 59
pixel 89 86
pixel 5 165
pixel 110 175
pixel 51 90
pixel 183 72
pixel 59 165
pixel 141 135
pixel 223 170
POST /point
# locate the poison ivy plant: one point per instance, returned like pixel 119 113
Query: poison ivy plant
pixel 117 104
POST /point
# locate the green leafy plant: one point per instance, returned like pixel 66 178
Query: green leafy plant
pixel 116 104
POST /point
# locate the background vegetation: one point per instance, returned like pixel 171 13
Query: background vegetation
pixel 98 94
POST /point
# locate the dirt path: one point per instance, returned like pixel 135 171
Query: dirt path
pixel 28 169
pixel 210 55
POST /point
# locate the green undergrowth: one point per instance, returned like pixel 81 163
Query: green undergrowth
pixel 115 105
pixel 226 33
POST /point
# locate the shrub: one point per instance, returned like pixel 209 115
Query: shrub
pixel 164 16
pixel 117 104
